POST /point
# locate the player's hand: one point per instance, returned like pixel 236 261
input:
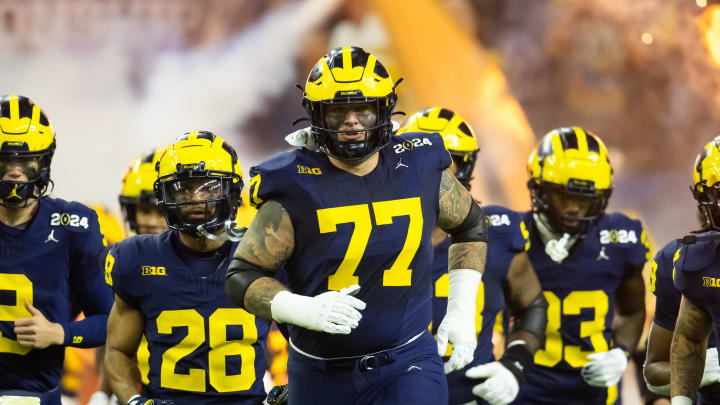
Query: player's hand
pixel 335 312
pixel 278 395
pixel 458 329
pixel 141 400
pixel 37 332
pixel 605 368
pixel 500 388
pixel 458 325
pixel 557 249
pixel 712 368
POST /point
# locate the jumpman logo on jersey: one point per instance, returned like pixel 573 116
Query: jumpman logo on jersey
pixel 400 164
pixel 14 193
pixel 51 237
pixel 602 255
pixel 413 367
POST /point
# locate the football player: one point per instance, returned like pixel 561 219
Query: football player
pixel 351 225
pixel 193 345
pixel 657 363
pixel 507 266
pixel 589 264
pixel 50 251
pixel 695 273
pixel 137 198
pixel 141 216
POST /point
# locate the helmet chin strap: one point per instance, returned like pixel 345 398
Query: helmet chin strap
pixel 233 232
pixel 557 246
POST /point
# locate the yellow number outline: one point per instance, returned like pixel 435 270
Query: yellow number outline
pixel 23 288
pixel 220 349
pixel 399 274
pixel 555 349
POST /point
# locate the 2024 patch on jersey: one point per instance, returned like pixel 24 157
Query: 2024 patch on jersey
pixel 371 230
pixel 197 346
pixel 58 256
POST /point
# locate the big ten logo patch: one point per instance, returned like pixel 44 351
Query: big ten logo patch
pixel 711 282
pixel 309 170
pixel 153 271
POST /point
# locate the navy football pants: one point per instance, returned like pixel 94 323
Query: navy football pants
pixel 412 374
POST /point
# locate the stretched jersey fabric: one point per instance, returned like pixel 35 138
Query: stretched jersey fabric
pixel 508 236
pixel 56 257
pixel 373 230
pixel 667 303
pixel 197 347
pixel 580 292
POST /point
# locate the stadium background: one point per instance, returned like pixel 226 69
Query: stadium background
pixel 119 77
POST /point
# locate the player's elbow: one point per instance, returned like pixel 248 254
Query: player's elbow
pixel 240 275
pixel 533 318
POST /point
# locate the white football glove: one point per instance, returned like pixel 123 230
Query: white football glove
pixel 501 386
pixel 335 312
pixel 458 325
pixel 712 368
pixel 302 138
pixel 605 368
pixel 557 248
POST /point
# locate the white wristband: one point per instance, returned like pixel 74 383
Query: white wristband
pixel 681 400
pixel 287 307
pixel 462 290
pixel 663 390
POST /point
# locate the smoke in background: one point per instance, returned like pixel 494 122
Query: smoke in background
pixel 636 73
pixel 116 87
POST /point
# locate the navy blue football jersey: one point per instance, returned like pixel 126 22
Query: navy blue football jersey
pixel 371 230
pixel 507 236
pixel 580 292
pixel 197 346
pixel 58 256
pixel 667 303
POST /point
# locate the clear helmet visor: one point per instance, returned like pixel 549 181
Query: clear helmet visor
pixel 193 191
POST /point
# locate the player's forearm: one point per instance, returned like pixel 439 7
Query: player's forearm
pixel 467 255
pixel 628 328
pixel 120 374
pixel 532 341
pixel 89 332
pixel 657 373
pixel 687 362
pixel 259 296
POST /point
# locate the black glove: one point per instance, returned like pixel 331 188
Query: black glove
pixel 141 400
pixel 278 395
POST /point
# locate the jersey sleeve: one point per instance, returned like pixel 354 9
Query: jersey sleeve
pixel 118 270
pixel 641 251
pixel 507 228
pixel 87 281
pixel 688 264
pixel 266 181
pixel 444 158
pixel 667 297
